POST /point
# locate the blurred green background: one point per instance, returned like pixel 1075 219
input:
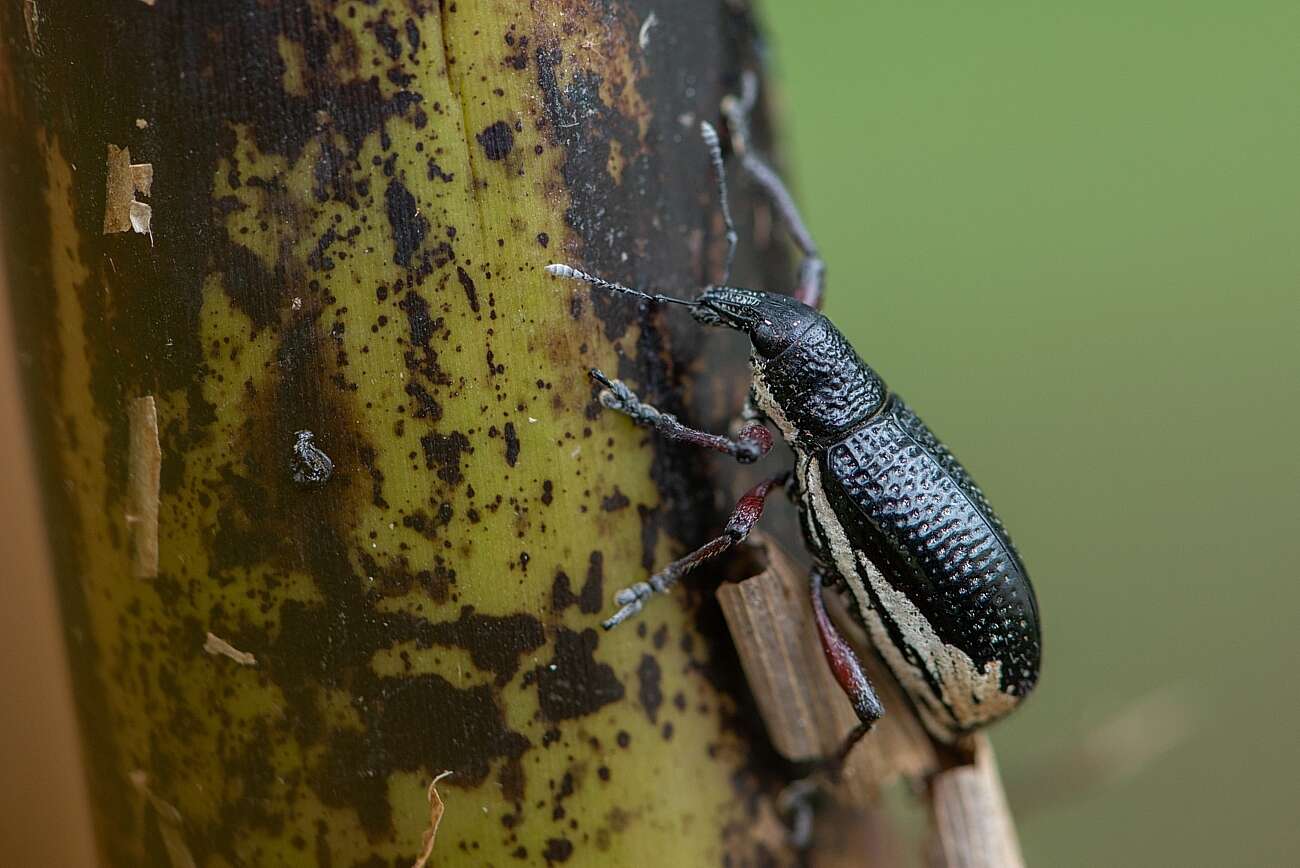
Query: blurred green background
pixel 1069 234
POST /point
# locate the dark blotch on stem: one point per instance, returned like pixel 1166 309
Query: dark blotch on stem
pixel 494 643
pixel 649 691
pixel 512 444
pixel 572 684
pixel 590 598
pixel 409 228
pixel 497 140
pixel 557 850
pixel 471 291
pixel 442 454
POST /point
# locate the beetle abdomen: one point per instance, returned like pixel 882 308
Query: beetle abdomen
pixel 937 581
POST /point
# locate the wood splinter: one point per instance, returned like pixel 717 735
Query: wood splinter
pixel 808 716
pixel 973 827
pixel 170 824
pixel 124 181
pixel 436 810
pixel 144 478
pixel 216 646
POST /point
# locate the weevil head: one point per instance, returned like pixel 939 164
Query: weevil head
pixel 807 378
pixel 774 323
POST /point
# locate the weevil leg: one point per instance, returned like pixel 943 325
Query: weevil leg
pixel 812 271
pixel 710 136
pixel 847 670
pixel 797 800
pixel 743 518
pixel 750 444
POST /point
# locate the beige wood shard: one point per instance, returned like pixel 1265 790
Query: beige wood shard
pixel 774 633
pixel 32 18
pixel 216 646
pixel 973 825
pixel 126 180
pixel 169 823
pixel 144 476
pixel 436 809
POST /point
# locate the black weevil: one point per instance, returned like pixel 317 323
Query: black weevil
pixel 886 510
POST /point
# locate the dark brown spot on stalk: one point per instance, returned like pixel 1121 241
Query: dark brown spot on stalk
pixel 442 454
pixel 471 291
pixel 590 598
pixel 512 444
pixel 562 596
pixel 435 172
pixel 409 227
pixel 614 502
pixel 465 736
pixel 519 59
pixel 386 36
pixel 426 406
pixel 438 581
pixel 426 525
pixel 494 643
pixel 649 692
pixel 497 140
pixel 512 780
pixel 573 684
pixel 557 850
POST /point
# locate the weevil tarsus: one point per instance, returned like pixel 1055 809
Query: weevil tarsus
pixel 751 443
pixel 744 516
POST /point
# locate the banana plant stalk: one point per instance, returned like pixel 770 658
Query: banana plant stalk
pixel 334 508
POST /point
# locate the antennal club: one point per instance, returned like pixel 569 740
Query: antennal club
pixel 571 273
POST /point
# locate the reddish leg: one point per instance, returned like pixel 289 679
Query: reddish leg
pixel 742 521
pixel 847 671
pixel 751 444
pixel 798 798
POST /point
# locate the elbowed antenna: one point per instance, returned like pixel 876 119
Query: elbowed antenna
pixel 568 271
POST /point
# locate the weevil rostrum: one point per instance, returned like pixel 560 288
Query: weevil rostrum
pixel 886 510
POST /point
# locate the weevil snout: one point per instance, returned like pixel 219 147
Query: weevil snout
pixel 773 322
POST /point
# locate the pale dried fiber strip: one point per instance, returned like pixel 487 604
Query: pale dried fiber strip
pixel 144 477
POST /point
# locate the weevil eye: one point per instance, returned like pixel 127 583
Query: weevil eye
pixel 769 340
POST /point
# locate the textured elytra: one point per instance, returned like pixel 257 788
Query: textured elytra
pixel 928 527
pixel 351 205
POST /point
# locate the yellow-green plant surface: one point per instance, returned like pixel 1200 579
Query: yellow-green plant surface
pixel 351 205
